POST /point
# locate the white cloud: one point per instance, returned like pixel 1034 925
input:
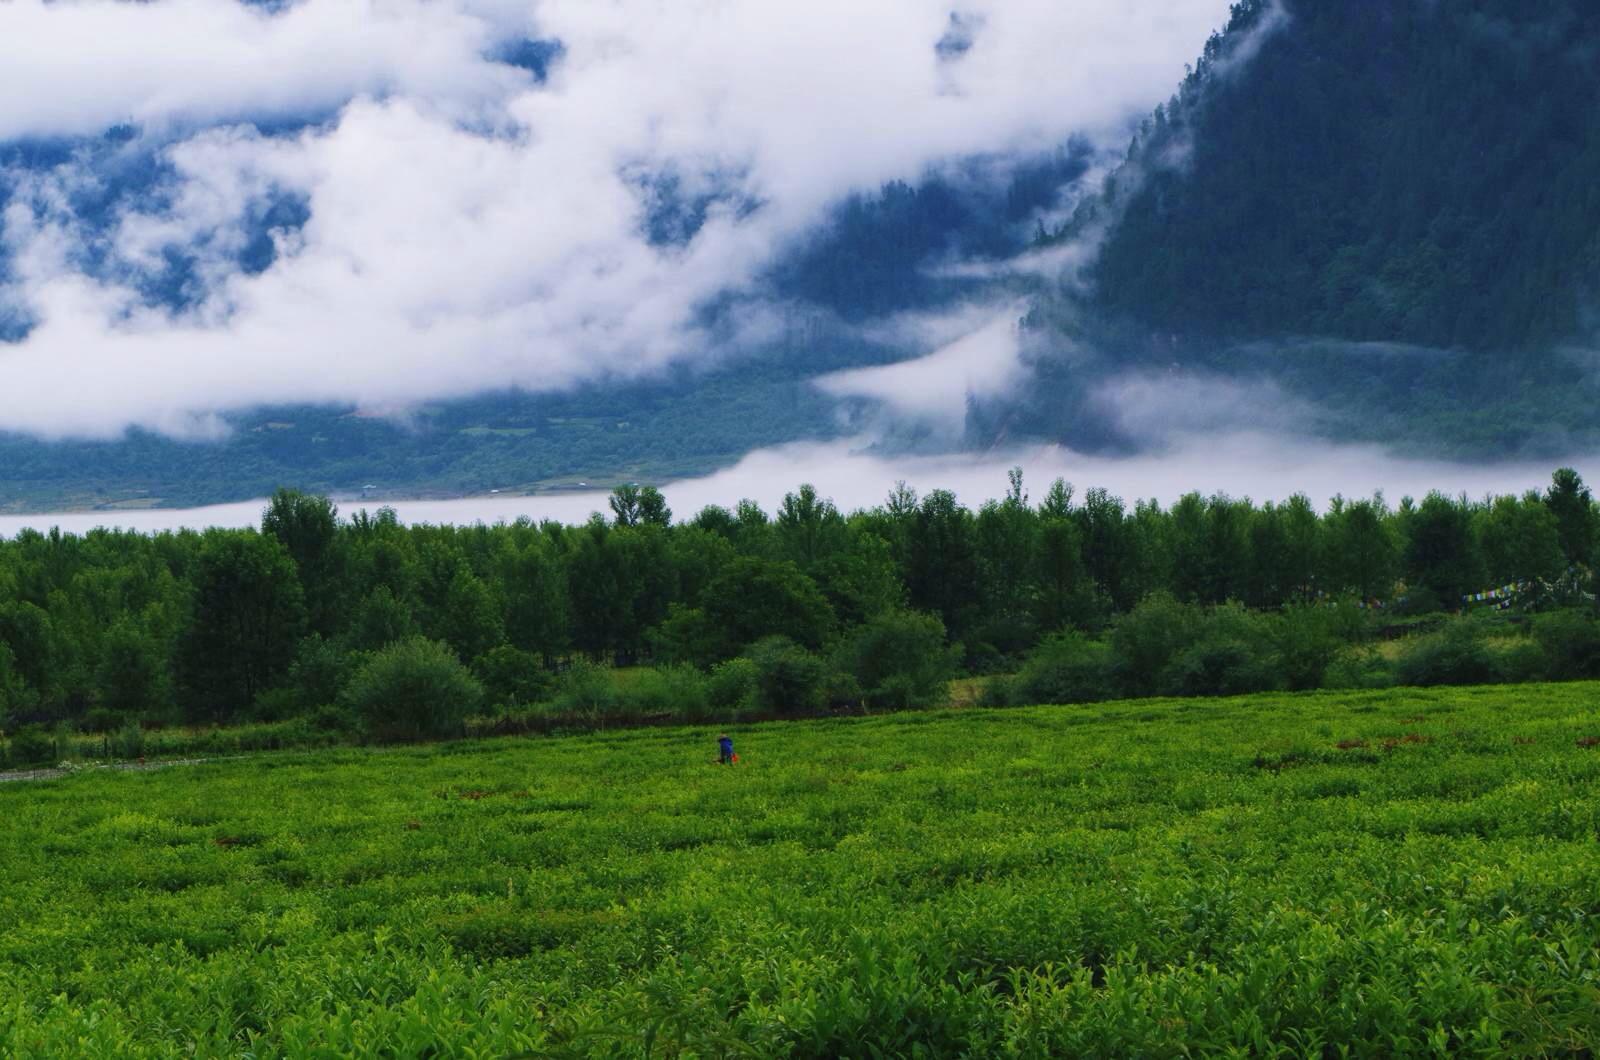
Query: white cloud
pixel 467 228
pixel 983 359
pixel 1261 466
pixel 78 66
pixel 1179 405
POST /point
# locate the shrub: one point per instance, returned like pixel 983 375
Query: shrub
pixel 1065 668
pixel 588 693
pixel 1457 655
pixel 1571 645
pixel 1146 640
pixel 414 689
pixel 31 745
pixel 512 677
pixel 1308 639
pixel 100 719
pixel 334 718
pixel 1220 665
pixel 1359 667
pixel 1000 690
pixel 128 741
pixel 1418 602
pixel 789 679
pixel 981 657
pixel 1008 635
pixel 275 704
pixel 1524 660
pixel 899 660
pixel 674 691
pixel 317 676
pixel 731 688
pixel 1232 653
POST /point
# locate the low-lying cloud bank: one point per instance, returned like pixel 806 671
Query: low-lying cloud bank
pixel 463 224
pixel 1263 467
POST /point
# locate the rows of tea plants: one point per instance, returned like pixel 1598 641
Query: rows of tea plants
pixel 1406 871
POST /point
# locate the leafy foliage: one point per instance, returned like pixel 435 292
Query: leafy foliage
pixel 827 609
pixel 1404 872
pixel 900 661
pixel 412 690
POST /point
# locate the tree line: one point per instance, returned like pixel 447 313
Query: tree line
pixel 313 615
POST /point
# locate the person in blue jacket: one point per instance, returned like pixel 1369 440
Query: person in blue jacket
pixel 725 755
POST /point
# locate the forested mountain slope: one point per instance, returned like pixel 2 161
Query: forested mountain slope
pixel 1385 211
pixel 1407 171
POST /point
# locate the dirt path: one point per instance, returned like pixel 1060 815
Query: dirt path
pixel 51 774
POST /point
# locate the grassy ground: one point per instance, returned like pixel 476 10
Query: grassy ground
pixel 1406 871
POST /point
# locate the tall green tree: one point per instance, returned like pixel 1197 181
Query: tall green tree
pixel 248 613
pixel 1441 555
pixel 308 528
pixel 1521 540
pixel 755 598
pixel 808 528
pixel 942 561
pixel 133 674
pixel 1570 501
pixel 635 505
pixel 535 591
pixel 1363 552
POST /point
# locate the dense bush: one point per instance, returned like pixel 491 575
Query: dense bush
pixel 1310 638
pixel 128 741
pixel 731 689
pixel 512 677
pixel 1230 653
pixel 588 693
pixel 1359 667
pixel 413 690
pixel 1571 644
pixel 667 692
pixel 1457 655
pixel 30 745
pixel 899 660
pixel 788 679
pixel 1147 639
pixel 1066 668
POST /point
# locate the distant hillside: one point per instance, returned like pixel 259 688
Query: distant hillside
pixel 1389 207
pixel 1392 170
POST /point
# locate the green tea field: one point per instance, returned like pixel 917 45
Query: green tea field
pixel 1403 872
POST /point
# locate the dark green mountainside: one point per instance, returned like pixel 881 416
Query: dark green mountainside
pixel 1390 170
pixel 1389 208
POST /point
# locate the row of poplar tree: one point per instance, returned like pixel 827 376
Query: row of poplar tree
pixel 229 625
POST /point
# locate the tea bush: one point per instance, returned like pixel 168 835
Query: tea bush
pixel 1404 872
